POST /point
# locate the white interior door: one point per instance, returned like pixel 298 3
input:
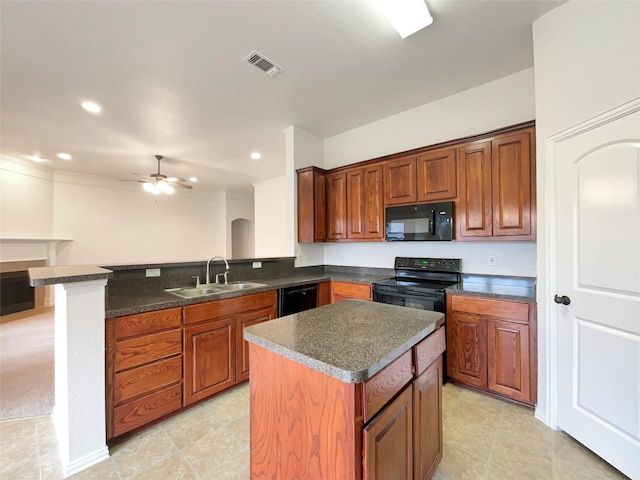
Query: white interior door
pixel 598 333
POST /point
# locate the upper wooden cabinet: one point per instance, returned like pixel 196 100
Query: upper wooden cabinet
pixel 354 204
pixel 496 188
pixel 312 208
pixel 400 181
pixel 436 175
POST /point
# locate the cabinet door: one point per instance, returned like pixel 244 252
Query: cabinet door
pixel 311 205
pixel 242 346
pixel 437 175
pixel 508 359
pixel 373 202
pixel 427 421
pixel 511 172
pixel 345 290
pixel 467 349
pixel 336 206
pixel 388 441
pixel 355 203
pixel 400 181
pixel 474 177
pixel 209 354
pixel 324 293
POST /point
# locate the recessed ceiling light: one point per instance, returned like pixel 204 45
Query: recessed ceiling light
pixel 255 155
pixel 91 107
pixel 37 158
pixel 64 156
pixel 193 179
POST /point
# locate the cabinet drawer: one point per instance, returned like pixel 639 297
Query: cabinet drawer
pixel 490 308
pixel 140 350
pixel 139 412
pixel 145 379
pixel 149 322
pixel 429 350
pixel 385 384
pixel 344 290
pixel 228 307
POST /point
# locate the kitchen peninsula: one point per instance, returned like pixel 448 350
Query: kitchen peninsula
pixel 350 390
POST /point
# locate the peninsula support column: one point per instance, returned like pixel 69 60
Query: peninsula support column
pixel 79 410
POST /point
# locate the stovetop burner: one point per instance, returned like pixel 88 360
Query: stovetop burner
pixel 423 274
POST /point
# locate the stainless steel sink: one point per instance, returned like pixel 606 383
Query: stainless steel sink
pixel 212 289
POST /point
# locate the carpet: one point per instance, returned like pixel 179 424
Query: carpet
pixel 26 366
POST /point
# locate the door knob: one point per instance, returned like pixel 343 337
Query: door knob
pixel 564 300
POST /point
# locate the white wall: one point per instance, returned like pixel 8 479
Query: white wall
pixel 271 217
pixel 587 61
pixel 497 104
pixel 114 225
pixel 26 209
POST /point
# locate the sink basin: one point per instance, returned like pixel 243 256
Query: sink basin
pixel 211 288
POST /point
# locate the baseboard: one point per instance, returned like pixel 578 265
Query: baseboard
pixel 86 462
pixel 24 314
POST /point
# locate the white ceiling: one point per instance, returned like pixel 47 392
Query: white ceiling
pixel 171 80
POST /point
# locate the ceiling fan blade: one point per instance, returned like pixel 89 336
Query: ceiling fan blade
pixel 181 185
pixel 175 179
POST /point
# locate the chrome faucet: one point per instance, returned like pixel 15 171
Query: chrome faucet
pixel 225 273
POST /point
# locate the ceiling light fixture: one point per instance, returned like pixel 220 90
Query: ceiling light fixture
pixel 91 107
pixel 37 158
pixel 158 188
pixel 407 16
pixel 193 179
pixel 64 156
pixel 256 155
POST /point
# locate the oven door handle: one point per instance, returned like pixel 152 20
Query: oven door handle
pixel 393 292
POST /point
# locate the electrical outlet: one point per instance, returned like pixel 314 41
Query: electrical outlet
pixel 492 260
pixel 257 264
pixel 153 272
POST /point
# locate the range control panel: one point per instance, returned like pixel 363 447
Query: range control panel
pixel 429 264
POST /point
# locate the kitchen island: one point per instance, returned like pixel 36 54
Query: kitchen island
pixel 350 390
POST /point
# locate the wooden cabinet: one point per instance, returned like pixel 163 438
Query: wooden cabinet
pixel 496 188
pixel 143 369
pixel 491 346
pixel 324 293
pixel 437 174
pixel 388 441
pixel 388 427
pixel 344 290
pixel 354 204
pixel 400 181
pixel 312 208
pixel 216 355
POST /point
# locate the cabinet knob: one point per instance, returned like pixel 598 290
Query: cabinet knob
pixel 564 300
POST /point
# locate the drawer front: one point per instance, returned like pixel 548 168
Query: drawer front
pixel 139 412
pixel 490 308
pixel 142 380
pixel 150 322
pixel 229 307
pixel 385 384
pixel 140 350
pixel 429 350
pixel 344 290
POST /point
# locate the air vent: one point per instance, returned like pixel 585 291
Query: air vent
pixel 263 63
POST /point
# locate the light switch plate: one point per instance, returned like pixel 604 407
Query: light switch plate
pixel 153 272
pixel 257 264
pixel 492 260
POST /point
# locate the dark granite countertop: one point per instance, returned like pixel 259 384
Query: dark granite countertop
pixel 66 274
pixel 139 302
pixel 350 340
pixel 522 289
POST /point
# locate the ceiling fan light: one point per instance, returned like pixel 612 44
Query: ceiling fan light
pixel 148 187
pixel 166 188
pixel 406 16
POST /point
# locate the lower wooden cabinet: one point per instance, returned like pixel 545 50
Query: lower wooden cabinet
pixel 160 362
pixel 345 290
pixel 143 369
pixel 427 430
pixel 491 346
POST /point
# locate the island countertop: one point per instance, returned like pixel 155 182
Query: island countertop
pixel 350 340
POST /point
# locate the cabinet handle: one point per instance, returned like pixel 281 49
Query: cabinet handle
pixel 564 300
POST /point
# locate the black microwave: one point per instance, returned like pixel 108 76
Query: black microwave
pixel 424 222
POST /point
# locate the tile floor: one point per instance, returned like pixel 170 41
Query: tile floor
pixel 484 438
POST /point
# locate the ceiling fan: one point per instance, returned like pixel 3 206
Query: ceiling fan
pixel 157 183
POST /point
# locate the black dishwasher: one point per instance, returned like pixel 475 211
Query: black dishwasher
pixel 297 299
